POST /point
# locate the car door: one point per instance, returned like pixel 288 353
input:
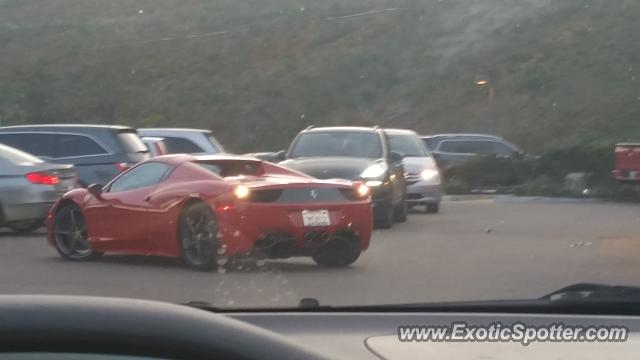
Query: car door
pixel 454 152
pixel 448 153
pixel 128 205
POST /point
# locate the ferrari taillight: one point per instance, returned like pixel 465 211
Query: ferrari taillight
pixel 42 178
pixel 225 206
pixel 241 192
pixel 362 190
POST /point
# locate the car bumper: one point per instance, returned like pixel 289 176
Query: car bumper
pixel 421 193
pixel 28 203
pixel 252 226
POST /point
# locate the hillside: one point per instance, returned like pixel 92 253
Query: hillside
pixel 257 71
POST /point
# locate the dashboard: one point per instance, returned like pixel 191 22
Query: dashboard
pixel 70 327
pixel 375 335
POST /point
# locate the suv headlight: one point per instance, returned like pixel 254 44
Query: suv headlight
pixel 374 171
pixel 429 174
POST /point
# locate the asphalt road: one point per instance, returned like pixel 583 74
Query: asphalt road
pixel 499 248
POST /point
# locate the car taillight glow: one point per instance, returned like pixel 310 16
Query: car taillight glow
pixel 242 192
pixel 42 178
pixel 224 207
pixel 362 190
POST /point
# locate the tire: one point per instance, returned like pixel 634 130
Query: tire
pixel 386 221
pixel 70 234
pixel 26 226
pixel 339 252
pixel 198 237
pixel 432 208
pixel 401 212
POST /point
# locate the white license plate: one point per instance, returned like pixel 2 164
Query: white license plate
pixel 316 218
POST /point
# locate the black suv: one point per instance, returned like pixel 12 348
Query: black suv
pixel 99 152
pixel 453 149
pixel 354 153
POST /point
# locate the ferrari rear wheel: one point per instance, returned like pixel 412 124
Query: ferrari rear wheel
pixel 338 252
pixel 71 236
pixel 198 233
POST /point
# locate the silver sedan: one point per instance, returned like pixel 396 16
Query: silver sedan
pixel 28 188
pixel 424 184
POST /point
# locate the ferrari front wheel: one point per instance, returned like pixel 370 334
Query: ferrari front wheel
pixel 198 233
pixel 71 236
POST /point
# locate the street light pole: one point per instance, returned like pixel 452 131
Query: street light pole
pixel 483 82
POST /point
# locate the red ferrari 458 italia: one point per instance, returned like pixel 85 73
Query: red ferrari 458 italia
pixel 202 207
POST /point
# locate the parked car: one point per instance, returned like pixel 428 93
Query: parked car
pixel 156 145
pixel 28 188
pixel 452 149
pixel 627 162
pixel 224 203
pixel 424 185
pixel 358 154
pixel 185 141
pixel 99 152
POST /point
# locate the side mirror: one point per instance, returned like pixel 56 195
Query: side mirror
pixel 280 155
pixel 95 190
pixel 395 156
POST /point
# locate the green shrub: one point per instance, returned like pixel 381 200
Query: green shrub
pixel 485 172
pixel 596 161
pixel 544 186
pixel 456 187
pixel 541 176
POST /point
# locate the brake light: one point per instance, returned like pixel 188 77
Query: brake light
pixel 242 192
pixel 222 207
pixel 361 189
pixel 122 166
pixel 42 178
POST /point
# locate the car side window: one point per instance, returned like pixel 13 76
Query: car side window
pixel 38 144
pixel 477 147
pixel 176 145
pixel 143 175
pixel 503 149
pixel 450 146
pixel 68 145
pixel 481 147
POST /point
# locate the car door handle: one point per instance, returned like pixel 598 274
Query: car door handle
pixel 148 198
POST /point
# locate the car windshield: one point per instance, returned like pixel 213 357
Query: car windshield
pixel 408 145
pixel 339 143
pixel 527 178
pixel 16 156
